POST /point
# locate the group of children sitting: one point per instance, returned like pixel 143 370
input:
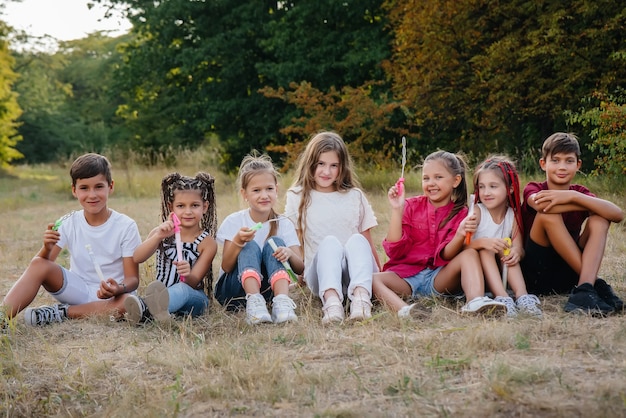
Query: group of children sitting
pixel 549 239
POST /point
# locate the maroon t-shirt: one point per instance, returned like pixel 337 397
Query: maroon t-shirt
pixel 573 220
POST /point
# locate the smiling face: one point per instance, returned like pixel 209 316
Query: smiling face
pixel 261 193
pixel 326 172
pixel 492 190
pixel 189 207
pixel 93 194
pixel 560 169
pixel 438 182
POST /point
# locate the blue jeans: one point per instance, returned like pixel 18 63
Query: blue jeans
pixel 230 293
pixel 185 300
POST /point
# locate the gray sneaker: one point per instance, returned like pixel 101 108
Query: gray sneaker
pixel 511 309
pixel 529 305
pixel 45 315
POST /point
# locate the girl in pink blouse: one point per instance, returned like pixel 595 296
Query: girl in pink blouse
pixel 425 243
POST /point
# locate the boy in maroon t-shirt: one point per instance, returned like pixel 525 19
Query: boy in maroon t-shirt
pixel 561 255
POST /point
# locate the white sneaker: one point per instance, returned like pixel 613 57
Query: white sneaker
pixel 360 308
pixel 256 309
pixel 157 299
pixel 333 312
pixel 415 311
pixel 511 309
pixel 283 309
pixel 484 305
pixel 528 304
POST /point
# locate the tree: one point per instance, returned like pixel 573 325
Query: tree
pixel 9 108
pixel 498 76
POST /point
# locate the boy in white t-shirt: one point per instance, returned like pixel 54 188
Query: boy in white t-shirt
pixel 101 242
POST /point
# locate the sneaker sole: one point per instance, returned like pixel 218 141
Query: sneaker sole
pixel 257 321
pixel 291 318
pixel 157 300
pixel 575 309
pixel 489 310
pixel 133 309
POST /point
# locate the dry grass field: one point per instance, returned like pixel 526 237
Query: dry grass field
pixel 563 365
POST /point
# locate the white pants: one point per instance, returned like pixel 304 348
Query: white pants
pixel 342 268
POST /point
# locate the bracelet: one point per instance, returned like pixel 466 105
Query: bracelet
pixel 124 286
pixel 238 245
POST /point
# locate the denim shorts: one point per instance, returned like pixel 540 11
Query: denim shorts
pixel 423 283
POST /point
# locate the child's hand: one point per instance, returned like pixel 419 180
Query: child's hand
pixel 396 197
pixel 513 258
pixel 469 224
pixel 108 289
pixel 547 199
pixel 183 267
pixel 50 237
pixel 283 254
pixel 496 245
pixel 166 229
pixel 243 236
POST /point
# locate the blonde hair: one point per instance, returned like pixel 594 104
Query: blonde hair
pixel 251 166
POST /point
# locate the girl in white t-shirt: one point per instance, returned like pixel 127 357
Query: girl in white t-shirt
pixel 252 271
pixel 333 219
pixel 498 235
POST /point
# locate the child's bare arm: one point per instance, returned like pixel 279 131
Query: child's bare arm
pixel 149 246
pixel 368 236
pixel 208 249
pixel 561 201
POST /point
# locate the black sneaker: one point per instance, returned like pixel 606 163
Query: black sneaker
pixel 45 315
pixel 136 310
pixel 605 291
pixel 585 299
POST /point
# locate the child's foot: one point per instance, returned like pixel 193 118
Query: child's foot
pixel 484 305
pixel 157 300
pixel 45 315
pixel 511 309
pixel 360 308
pixel 333 311
pixel 529 305
pixel 283 309
pixel 585 299
pixel 256 309
pixel 605 291
pixel 416 311
pixel 136 310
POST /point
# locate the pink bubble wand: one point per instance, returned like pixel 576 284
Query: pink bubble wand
pixel 179 242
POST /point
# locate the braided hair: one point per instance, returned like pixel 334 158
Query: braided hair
pixel 457 166
pixel 505 169
pixel 204 183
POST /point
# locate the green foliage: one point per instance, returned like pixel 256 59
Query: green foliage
pixel 606 122
pixel 497 76
pixel 9 108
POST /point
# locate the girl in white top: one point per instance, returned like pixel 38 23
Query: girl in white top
pixel 333 219
pixel 498 234
pixel 252 270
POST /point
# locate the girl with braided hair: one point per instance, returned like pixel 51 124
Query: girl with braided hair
pixel 498 237
pixel 425 243
pixel 179 285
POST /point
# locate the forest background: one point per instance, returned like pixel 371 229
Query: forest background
pixel 477 76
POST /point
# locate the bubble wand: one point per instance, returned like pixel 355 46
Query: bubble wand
pixel 470 212
pixel 286 264
pixel 505 268
pixel 179 242
pixel 400 182
pixel 95 263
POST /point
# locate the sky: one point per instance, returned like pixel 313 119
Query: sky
pixel 63 19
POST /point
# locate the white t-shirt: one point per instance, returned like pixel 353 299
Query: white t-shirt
pixel 110 242
pixel 340 214
pixel 235 221
pixel 489 229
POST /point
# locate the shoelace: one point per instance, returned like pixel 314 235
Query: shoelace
pixel 284 304
pixel 529 301
pixel 48 314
